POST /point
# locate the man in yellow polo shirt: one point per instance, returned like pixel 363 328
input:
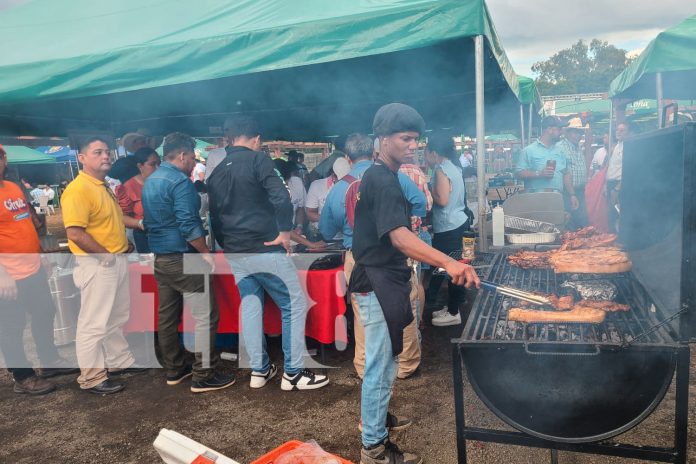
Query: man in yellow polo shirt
pixel 96 233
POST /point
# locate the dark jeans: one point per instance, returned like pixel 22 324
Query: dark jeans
pixel 173 287
pixel 578 217
pixel 447 242
pixel 33 297
pixel 140 239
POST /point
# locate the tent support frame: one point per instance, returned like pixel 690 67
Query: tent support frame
pixel 480 143
pixel 660 100
pixel 522 124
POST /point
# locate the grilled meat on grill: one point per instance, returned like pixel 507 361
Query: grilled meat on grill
pixel 566 302
pixel 587 237
pixel 531 259
pixel 607 260
pixel 608 306
pixel 579 314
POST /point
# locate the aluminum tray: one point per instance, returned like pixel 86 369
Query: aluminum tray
pixel 532 238
pixel 529 225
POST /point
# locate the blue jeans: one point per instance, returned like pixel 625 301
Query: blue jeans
pixel 380 370
pixel 276 274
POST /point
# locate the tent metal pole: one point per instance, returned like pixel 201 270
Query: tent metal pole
pixel 531 121
pixel 522 124
pixel 480 143
pixel 611 127
pixel 660 100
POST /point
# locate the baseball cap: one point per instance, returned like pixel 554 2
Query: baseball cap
pixel 552 121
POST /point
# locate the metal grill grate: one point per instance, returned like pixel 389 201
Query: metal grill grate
pixel 489 323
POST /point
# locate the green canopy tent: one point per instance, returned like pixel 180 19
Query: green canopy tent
pixel 670 57
pixel 308 69
pixel 32 164
pixel 665 69
pixel 17 154
pixel 528 95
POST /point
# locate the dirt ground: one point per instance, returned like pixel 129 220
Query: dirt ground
pixel 70 426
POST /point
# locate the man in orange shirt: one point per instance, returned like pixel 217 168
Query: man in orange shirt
pixel 24 288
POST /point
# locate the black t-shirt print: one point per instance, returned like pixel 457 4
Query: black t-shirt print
pixel 381 208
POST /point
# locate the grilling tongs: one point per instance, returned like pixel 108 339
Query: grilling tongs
pixel 516 293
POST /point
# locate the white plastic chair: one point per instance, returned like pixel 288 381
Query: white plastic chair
pixel 44 206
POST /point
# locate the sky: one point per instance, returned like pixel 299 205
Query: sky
pixel 533 30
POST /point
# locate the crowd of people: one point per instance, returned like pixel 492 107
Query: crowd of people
pixel 590 185
pixel 374 200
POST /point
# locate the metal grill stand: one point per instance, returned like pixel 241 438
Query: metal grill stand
pixel 628 350
pixel 676 454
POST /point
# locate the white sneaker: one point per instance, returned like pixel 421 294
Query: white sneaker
pixel 447 319
pixel 440 312
pixel 260 379
pixel 304 380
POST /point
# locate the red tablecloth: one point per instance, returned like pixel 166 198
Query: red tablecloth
pixel 325 290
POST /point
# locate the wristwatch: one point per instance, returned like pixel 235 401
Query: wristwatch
pixel 140 224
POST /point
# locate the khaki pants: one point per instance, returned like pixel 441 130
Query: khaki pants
pixel 410 357
pixel 105 309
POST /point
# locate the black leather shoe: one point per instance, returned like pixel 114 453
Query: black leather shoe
pixel 59 367
pixel 107 387
pixel 129 371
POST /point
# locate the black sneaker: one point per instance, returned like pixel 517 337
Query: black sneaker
pixel 303 380
pixel 387 453
pixel 176 379
pixel 217 382
pixel 394 424
pixel 260 379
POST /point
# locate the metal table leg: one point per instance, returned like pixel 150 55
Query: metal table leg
pixel 457 368
pixel 681 407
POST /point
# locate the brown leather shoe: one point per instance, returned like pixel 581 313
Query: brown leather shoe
pixel 33 386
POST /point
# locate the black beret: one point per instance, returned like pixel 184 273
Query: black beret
pixel 397 117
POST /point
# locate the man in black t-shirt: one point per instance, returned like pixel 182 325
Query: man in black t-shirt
pixel 382 240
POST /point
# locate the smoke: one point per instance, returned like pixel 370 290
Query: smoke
pixel 307 103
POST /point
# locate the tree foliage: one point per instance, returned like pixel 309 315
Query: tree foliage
pixel 582 68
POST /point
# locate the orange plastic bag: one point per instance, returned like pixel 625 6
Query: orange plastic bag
pixel 307 453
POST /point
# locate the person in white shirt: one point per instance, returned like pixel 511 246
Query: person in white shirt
pixel 49 192
pixel 198 171
pixel 599 156
pixel 465 159
pixel 319 190
pixel 614 174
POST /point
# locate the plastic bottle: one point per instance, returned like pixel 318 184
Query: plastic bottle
pixel 498 226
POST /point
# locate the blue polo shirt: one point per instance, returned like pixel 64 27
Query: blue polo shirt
pixel 333 216
pixel 533 158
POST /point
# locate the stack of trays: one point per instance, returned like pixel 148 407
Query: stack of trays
pixel 530 232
